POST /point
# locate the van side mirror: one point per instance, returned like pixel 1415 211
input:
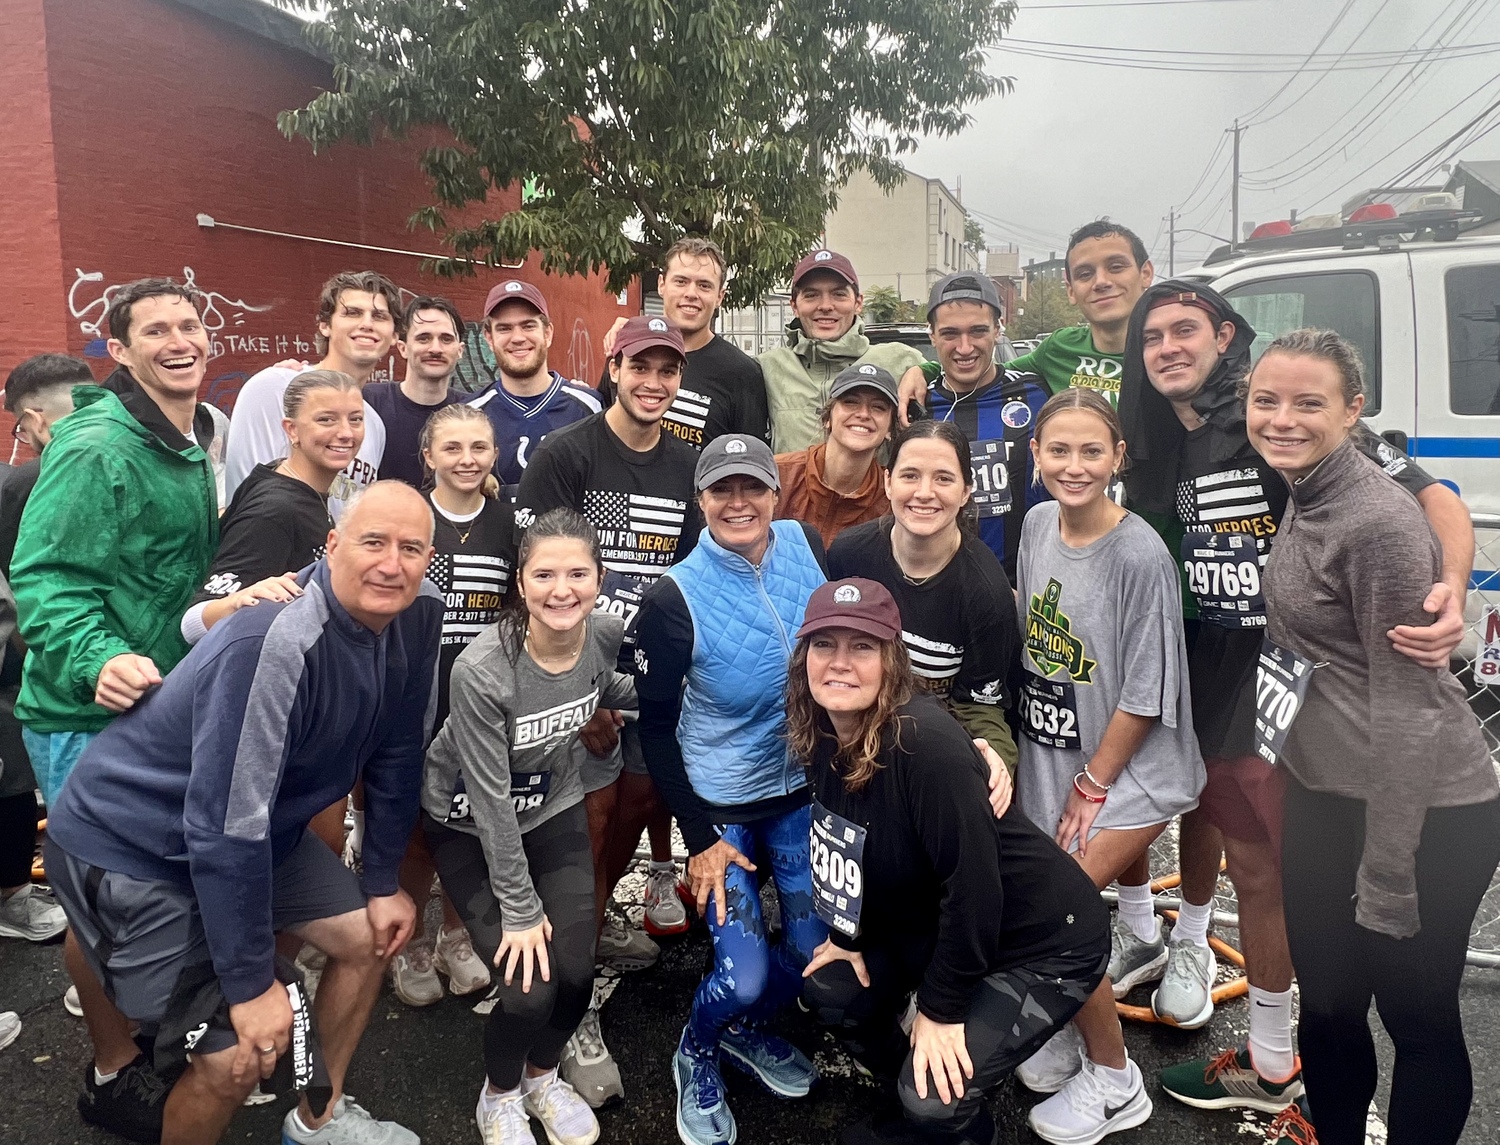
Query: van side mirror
pixel 1396 437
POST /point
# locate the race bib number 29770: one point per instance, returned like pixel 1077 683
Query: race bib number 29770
pixel 1281 680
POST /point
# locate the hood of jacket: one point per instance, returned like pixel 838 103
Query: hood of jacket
pixel 139 405
pixel 1154 434
pixel 850 345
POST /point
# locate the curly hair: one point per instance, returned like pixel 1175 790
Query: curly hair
pixel 880 723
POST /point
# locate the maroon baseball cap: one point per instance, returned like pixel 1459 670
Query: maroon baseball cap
pixel 645 331
pixel 514 288
pixel 825 260
pixel 864 605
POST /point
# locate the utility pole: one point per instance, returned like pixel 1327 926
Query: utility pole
pixel 1171 242
pixel 1234 198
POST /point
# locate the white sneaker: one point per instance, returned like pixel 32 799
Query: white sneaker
pixel 259 1096
pixel 413 975
pixel 1185 997
pixel 665 913
pixel 505 1123
pixel 71 1002
pixel 455 957
pixel 1091 1107
pixel 351 1124
pixel 564 1115
pixel 587 1064
pixel 10 1027
pixel 1055 1064
pixel 625 948
pixel 33 914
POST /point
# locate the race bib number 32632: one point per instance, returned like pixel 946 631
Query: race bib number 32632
pixel 1049 712
pixel 1281 680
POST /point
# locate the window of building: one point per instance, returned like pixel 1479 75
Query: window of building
pixel 1346 301
pixel 1473 294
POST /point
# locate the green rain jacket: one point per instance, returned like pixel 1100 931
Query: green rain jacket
pixel 798 376
pixel 116 537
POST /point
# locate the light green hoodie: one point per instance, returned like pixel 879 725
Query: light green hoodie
pixel 798 376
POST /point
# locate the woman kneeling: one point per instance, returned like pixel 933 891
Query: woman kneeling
pixel 1002 936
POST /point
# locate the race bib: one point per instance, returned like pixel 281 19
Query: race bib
pixel 528 789
pixel 1223 571
pixel 1281 680
pixel 836 848
pixel 458 808
pixel 1049 712
pixel 991 465
pixel 620 595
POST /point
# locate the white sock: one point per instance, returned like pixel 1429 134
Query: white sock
pixel 1271 1033
pixel 300 1126
pixel 1192 922
pixel 1135 909
pixel 531 1084
pixel 491 1101
pixel 1119 1078
pixel 104 1078
pixel 668 867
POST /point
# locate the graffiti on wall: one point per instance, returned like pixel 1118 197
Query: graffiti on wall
pixel 223 318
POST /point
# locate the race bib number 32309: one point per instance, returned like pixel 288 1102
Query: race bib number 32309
pixel 837 850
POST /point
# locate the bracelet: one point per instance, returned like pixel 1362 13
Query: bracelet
pixel 1078 787
pixel 1089 775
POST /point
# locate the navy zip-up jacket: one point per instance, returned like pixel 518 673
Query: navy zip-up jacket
pixel 211 780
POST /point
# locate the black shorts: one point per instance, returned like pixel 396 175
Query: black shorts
pixel 140 935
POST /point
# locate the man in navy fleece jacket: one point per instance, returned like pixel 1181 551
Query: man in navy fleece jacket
pixel 180 838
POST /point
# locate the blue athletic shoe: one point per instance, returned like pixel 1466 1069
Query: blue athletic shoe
pixel 778 1065
pixel 703 1116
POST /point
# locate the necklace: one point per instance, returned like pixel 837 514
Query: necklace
pixel 540 659
pixel 463 534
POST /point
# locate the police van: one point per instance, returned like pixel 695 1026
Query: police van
pixel 1422 302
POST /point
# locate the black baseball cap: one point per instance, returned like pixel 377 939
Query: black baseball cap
pixel 965 286
pixel 866 375
pixel 732 454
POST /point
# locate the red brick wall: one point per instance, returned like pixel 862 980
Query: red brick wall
pixel 161 112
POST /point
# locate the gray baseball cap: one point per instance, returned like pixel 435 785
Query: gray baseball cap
pixel 965 286
pixel 868 376
pixel 732 454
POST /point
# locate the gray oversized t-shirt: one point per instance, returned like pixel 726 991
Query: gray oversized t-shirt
pixel 508 758
pixel 1102 630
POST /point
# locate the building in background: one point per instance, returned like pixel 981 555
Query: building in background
pixel 1052 267
pixel 138 137
pixel 1477 186
pixel 1002 265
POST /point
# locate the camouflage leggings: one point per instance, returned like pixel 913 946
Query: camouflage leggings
pixel 1013 1012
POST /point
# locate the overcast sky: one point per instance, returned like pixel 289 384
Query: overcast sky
pixel 1076 140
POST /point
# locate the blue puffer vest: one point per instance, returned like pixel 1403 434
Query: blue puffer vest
pixel 745 620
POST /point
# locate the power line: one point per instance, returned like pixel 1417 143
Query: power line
pixel 1310 88
pixel 1312 55
pixel 1126 4
pixel 1376 56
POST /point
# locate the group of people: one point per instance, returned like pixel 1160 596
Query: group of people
pixel 918 656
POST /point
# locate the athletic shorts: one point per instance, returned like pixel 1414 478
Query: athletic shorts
pixel 140 935
pixel 627 756
pixel 1243 799
pixel 53 756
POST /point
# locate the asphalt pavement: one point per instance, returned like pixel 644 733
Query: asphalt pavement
pixel 423 1068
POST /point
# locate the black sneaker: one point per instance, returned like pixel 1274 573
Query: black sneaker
pixel 129 1105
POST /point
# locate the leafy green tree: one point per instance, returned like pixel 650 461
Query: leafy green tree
pixel 1045 309
pixel 635 121
pixel 974 237
pixel 883 304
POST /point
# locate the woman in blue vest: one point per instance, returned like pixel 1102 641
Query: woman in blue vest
pixel 723 622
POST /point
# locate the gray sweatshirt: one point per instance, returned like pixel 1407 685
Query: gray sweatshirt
pixel 508 758
pixel 1355 556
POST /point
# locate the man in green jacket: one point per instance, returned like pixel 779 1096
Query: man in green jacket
pixel 116 536
pixel 825 338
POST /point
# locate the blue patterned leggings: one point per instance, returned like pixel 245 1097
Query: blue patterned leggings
pixel 750 981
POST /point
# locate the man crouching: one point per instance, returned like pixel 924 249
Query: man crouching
pixel 179 842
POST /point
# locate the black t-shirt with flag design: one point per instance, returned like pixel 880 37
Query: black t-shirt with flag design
pixel 471 567
pixel 722 392
pixel 642 504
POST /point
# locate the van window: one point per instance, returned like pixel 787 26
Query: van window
pixel 1347 301
pixel 1473 339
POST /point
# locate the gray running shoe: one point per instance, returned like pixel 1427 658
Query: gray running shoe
pixel 351 1124
pixel 625 948
pixel 10 1027
pixel 1186 995
pixel 1132 961
pixel 587 1064
pixel 33 914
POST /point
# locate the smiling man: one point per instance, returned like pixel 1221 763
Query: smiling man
pixel 432 343
pixel 180 846
pixel 825 338
pixel 356 328
pixel 118 531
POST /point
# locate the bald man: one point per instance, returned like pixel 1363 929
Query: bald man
pixel 272 717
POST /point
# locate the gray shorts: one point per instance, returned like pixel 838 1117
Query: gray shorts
pixel 600 773
pixel 139 935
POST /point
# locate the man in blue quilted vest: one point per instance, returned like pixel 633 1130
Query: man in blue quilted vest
pixel 714 637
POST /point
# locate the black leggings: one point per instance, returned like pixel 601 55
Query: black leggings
pixel 528 1027
pixel 17 838
pixel 1012 1013
pixel 1414 981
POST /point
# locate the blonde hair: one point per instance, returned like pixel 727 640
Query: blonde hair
pixel 457 412
pixel 295 395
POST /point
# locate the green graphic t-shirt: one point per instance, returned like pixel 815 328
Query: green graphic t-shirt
pixel 1068 358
